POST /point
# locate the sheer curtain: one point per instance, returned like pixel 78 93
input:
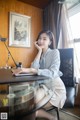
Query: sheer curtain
pixel 65 31
pixel 66 39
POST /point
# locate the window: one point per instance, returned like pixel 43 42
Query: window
pixel 75 23
pixel 75 28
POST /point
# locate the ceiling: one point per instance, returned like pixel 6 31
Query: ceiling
pixel 43 3
pixel 37 3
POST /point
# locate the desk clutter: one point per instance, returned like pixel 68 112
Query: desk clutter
pixel 18 65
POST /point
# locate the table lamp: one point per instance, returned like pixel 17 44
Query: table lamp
pixel 9 53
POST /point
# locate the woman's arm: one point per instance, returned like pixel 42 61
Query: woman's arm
pixel 34 66
pixel 24 70
pixel 35 63
pixel 52 71
pixel 39 51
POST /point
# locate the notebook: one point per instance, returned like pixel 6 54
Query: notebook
pixel 22 74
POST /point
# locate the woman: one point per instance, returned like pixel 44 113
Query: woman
pixel 47 63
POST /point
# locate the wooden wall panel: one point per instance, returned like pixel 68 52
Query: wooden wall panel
pixel 24 55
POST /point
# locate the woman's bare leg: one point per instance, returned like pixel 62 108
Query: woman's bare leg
pixel 40 93
pixel 43 114
pixel 47 106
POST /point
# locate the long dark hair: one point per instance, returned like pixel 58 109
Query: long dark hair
pixel 50 35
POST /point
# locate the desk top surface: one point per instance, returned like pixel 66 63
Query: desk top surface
pixel 6 77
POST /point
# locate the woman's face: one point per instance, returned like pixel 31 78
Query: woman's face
pixel 44 41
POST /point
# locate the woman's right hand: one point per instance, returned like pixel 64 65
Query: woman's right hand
pixel 38 47
pixel 24 70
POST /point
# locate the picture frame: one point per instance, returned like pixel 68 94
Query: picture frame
pixel 19 30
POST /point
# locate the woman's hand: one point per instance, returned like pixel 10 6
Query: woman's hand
pixel 17 71
pixel 38 47
pixel 25 70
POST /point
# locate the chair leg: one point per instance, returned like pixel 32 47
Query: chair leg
pixel 57 110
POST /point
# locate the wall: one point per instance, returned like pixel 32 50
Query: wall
pixel 24 55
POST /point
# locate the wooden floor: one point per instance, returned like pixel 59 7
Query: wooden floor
pixel 75 110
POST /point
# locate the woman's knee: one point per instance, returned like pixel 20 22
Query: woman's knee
pixel 48 105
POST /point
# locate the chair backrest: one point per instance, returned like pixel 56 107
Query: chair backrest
pixel 67 66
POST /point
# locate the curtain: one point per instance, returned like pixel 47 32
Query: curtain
pixel 55 18
pixel 52 19
pixel 66 37
pixel 65 31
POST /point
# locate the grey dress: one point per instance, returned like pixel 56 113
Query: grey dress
pixel 49 66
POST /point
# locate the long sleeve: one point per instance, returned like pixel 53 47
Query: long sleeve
pixel 35 64
pixel 53 62
pixel 49 64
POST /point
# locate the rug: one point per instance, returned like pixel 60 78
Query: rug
pixel 64 115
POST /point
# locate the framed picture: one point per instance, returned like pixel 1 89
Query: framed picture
pixel 19 30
